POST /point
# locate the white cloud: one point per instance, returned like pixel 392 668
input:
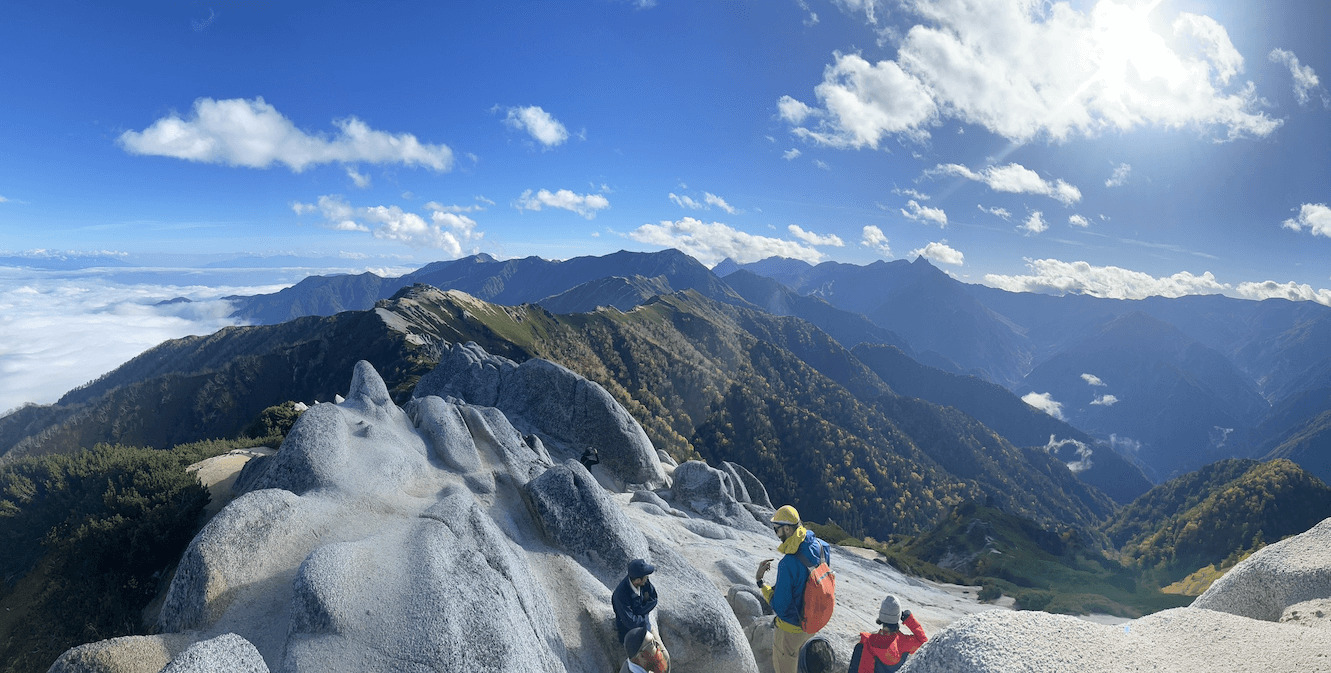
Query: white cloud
pixel 793 110
pixel 1029 69
pixel 709 200
pixel 1078 221
pixel 1292 291
pixel 446 230
pixel 1092 379
pixel 915 211
pixel 789 154
pixel 252 133
pixel 1034 224
pixel 912 194
pixel 585 205
pixel 710 243
pixel 360 180
pixel 814 239
pixel 3 199
pixel 821 164
pixel 996 211
pixel 685 202
pixel 868 8
pixel 1014 179
pixel 872 237
pixel 1125 445
pixel 1053 276
pixel 1083 451
pixel 1316 217
pixel 861 104
pixel 1044 402
pixel 1119 176
pixel 538 123
pixel 714 200
pixel 1105 401
pixel 1305 80
pixel 940 252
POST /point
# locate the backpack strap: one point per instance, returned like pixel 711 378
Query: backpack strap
pixel 825 557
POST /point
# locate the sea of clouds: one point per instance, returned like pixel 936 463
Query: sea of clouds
pixel 60 329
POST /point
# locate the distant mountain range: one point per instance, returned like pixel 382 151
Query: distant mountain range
pixel 1172 384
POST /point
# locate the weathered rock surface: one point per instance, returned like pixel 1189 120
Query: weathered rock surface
pixel 436 538
pixel 568 412
pixel 1291 571
pixel 227 653
pixel 1291 577
pixel 712 493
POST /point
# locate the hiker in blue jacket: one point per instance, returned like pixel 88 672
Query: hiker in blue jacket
pixel 787 596
pixel 634 598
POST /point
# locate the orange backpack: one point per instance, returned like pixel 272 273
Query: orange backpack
pixel 819 593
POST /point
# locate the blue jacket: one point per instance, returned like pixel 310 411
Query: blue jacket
pixel 787 598
pixel 631 608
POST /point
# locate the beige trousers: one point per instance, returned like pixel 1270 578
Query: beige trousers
pixel 786 650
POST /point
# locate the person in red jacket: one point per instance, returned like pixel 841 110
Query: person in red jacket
pixel 885 651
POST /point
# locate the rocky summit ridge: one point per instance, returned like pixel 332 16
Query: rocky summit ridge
pixel 459 532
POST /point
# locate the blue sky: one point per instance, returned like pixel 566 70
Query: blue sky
pixel 1118 148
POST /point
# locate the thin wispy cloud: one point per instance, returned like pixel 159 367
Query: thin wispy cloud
pixel 941 252
pixel 1084 453
pixel 441 228
pixel 1314 217
pixel 1120 176
pixel 709 201
pixel 361 180
pixel 815 239
pixel 537 123
pixel 711 242
pixel 790 154
pixel 253 134
pixel 1078 221
pixel 995 211
pixel 586 205
pixel 915 211
pixel 1305 79
pixel 1022 71
pixel 1104 401
pixel 1013 179
pixel 1052 276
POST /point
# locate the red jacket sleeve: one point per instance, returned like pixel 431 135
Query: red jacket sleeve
pixel 909 644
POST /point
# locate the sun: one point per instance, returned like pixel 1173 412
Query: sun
pixel 1130 52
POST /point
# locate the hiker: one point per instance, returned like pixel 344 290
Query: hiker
pixel 885 651
pixel 646 653
pixel 590 457
pixel 787 596
pixel 817 656
pixel 634 598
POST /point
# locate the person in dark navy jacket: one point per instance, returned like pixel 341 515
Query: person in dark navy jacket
pixel 634 598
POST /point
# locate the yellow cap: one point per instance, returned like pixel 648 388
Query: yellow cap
pixel 786 515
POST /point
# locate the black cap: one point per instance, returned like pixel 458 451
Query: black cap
pixel 633 641
pixel 640 568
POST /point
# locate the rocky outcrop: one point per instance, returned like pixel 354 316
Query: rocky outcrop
pixel 1231 627
pixel 568 412
pixel 1286 573
pixel 440 537
pixel 713 493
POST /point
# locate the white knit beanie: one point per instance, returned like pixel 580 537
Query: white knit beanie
pixel 890 612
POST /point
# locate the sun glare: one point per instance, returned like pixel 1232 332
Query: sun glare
pixel 1130 51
